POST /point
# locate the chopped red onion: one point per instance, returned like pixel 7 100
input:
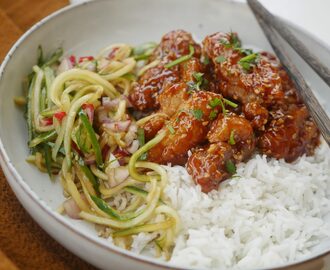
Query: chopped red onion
pixel 117 175
pixel 101 64
pixel 102 115
pixel 90 159
pixel 131 134
pixel 109 104
pixel 71 208
pixel 133 147
pixel 118 126
pixel 65 65
pixel 114 163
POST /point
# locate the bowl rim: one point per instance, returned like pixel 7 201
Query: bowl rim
pixel 12 174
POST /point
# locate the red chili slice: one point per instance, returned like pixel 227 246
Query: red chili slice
pixel 59 115
pixel 47 121
pixel 73 60
pixel 86 58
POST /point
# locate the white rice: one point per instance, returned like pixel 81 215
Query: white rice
pixel 274 213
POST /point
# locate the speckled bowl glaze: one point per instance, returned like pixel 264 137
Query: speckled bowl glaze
pixel 84 29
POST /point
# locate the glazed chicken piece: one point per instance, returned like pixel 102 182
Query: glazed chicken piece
pixel 290 134
pixel 170 100
pixel 247 82
pixel 144 96
pixel 207 165
pixel 172 97
pixel 175 44
pixel 267 95
pixel 269 115
pixel 245 78
pixel 186 129
pixel 235 130
pixel 231 139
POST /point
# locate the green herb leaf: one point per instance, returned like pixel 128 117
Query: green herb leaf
pixel 248 61
pixel 245 51
pixel 234 40
pixel 171 129
pixel 195 86
pixel 182 58
pixel 198 76
pixel 213 114
pixel 225 43
pixel 230 167
pixel 220 59
pixel 192 87
pixel 205 60
pixel 231 138
pixel 215 102
pixel 197 113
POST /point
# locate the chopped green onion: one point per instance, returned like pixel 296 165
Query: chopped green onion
pixel 143 51
pixel 230 167
pixel 171 129
pixel 224 111
pixel 231 138
pixel 182 58
pixel 43 137
pixel 141 139
pixel 230 103
pixel 197 113
pixel 92 135
pixel 198 76
pixel 220 59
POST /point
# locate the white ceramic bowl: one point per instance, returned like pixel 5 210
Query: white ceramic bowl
pixel 83 30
